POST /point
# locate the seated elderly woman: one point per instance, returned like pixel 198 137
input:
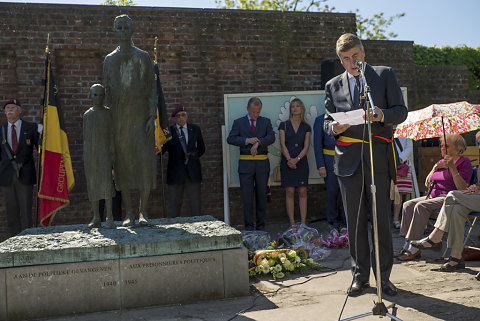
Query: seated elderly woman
pixel 452 172
pixel 452 217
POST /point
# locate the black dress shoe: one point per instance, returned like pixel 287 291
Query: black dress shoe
pixel 357 288
pixel 388 288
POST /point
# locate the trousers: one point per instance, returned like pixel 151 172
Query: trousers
pixel 176 192
pixel 415 215
pixel 18 206
pixel 453 216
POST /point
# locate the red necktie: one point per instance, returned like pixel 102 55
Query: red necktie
pixel 253 125
pixel 14 139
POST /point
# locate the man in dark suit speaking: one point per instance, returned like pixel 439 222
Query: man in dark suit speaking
pixel 352 165
pixel 184 171
pixel 17 167
pixel 253 133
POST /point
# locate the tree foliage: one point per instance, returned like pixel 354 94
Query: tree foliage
pixel 277 5
pixel 120 3
pixel 451 56
pixel 374 27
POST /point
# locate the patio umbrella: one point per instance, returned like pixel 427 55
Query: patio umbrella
pixel 438 120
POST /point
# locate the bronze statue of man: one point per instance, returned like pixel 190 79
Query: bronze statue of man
pixel 131 94
pixel 98 155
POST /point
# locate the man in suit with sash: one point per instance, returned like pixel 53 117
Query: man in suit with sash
pixel 253 133
pixel 184 171
pixel 17 167
pixel 352 159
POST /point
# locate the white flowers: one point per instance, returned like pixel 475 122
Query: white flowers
pixel 279 262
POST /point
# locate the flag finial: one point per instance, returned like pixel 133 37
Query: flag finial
pixel 48 42
pixel 155 49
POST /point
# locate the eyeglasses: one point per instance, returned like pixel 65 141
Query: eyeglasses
pixel 181 115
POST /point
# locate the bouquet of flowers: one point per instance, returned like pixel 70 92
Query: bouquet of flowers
pixel 335 239
pixel 280 262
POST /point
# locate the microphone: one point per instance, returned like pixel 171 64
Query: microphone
pixel 359 65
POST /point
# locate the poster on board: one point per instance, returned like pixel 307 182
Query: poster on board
pixel 276 106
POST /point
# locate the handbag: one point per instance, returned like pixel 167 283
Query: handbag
pixel 277 176
pixel 402 170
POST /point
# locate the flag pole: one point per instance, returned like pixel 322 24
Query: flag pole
pixel 155 52
pixel 47 52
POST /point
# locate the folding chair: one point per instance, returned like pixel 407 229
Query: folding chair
pixel 474 215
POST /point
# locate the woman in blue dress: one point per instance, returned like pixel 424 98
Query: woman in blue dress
pixel 294 141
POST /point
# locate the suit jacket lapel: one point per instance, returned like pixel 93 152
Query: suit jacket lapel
pixel 370 75
pixel 173 131
pixel 345 89
pixel 248 124
pixel 21 139
pixel 258 126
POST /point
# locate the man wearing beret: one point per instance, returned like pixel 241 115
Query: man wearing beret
pixel 253 133
pixel 184 171
pixel 17 167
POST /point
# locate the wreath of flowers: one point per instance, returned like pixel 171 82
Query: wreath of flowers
pixel 280 262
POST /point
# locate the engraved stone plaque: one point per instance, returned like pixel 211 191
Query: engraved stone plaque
pixel 170 279
pixel 60 289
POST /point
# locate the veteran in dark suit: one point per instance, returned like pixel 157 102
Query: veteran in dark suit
pixel 352 166
pixel 17 167
pixel 184 171
pixel 253 133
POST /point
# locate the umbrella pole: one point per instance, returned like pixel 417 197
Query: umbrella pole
pixel 444 136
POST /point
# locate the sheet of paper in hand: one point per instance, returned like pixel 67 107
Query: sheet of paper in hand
pixel 354 117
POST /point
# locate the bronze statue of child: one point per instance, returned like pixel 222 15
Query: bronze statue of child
pixel 98 155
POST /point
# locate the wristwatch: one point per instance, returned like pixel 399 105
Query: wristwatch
pixel 298 157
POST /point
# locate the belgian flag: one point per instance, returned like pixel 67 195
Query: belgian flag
pixel 162 133
pixel 56 177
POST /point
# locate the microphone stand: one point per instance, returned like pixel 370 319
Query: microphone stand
pixel 379 307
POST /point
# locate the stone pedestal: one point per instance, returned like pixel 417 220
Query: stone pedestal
pixel 70 269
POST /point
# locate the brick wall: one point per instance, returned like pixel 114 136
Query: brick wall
pixel 203 54
pixel 396 54
pixel 440 84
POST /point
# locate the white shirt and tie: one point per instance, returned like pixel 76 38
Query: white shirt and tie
pixel 352 81
pixel 18 125
pixel 184 131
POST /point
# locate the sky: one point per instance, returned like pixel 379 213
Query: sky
pixel 426 22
